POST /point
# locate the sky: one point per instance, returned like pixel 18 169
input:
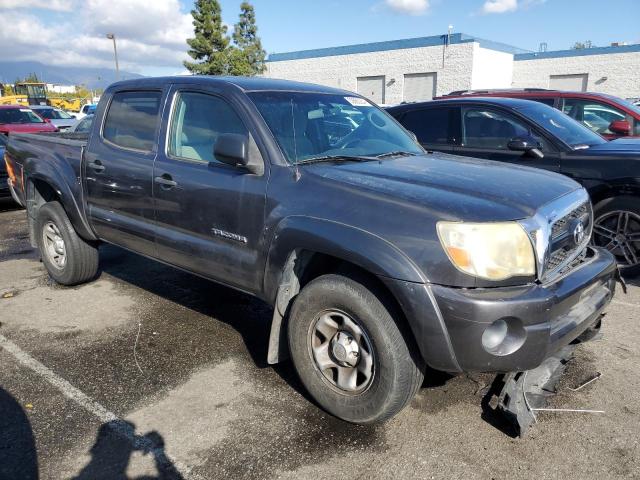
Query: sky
pixel 151 34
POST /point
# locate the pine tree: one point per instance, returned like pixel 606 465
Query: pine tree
pixel 210 45
pixel 246 57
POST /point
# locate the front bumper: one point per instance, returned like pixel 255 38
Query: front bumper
pixel 449 323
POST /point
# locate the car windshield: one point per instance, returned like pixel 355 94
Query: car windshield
pixel 571 132
pixel 313 126
pixel 53 114
pixel 19 115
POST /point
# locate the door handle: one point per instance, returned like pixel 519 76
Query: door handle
pixel 165 181
pixel 96 166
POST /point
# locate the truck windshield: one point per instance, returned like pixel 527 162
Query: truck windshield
pixel 310 126
pixel 19 115
pixel 573 133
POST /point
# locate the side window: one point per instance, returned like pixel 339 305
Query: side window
pixel 485 128
pixel 132 120
pixel 431 125
pixel 197 122
pixel 595 115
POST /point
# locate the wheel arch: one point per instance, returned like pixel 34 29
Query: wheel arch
pixel 304 248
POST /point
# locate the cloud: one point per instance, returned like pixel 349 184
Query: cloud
pixel 410 7
pixel 56 5
pixel 150 34
pixel 500 6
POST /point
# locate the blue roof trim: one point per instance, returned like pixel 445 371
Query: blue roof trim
pixel 433 41
pixel 578 53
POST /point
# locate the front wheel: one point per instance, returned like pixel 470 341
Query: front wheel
pixel 349 351
pixel 68 258
pixel 617 229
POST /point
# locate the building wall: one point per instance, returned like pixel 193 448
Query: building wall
pixel 622 72
pixel 491 68
pixel 342 71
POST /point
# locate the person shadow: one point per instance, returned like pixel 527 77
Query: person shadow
pixel 116 441
pixel 18 455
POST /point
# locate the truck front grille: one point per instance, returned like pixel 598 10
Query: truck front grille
pixel 566 246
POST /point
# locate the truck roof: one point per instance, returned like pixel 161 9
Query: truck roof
pixel 248 84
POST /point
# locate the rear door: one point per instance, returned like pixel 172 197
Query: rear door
pixel 435 127
pixel 595 115
pixel 118 166
pixel 210 215
pixel 486 132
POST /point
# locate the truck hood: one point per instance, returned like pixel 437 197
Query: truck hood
pixel 455 187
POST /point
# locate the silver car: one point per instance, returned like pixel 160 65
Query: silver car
pixel 61 119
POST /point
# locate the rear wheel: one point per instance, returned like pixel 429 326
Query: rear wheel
pixel 617 228
pixel 349 352
pixel 68 258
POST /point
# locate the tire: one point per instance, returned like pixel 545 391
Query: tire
pixel 71 262
pixel 396 374
pixel 621 237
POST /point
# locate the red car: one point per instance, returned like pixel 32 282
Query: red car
pixel 16 118
pixel 612 117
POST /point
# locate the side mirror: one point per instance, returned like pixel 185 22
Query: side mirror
pixel 232 149
pixel 620 127
pixel 527 145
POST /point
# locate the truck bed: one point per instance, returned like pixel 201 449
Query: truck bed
pixel 59 154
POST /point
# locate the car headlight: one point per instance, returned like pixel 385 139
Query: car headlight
pixel 493 251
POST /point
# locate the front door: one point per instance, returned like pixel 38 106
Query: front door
pixel 118 170
pixel 210 215
pixel 486 133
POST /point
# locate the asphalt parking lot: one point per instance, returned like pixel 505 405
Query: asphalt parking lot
pixel 197 400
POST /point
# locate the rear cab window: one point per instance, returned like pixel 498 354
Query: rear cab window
pixel 132 120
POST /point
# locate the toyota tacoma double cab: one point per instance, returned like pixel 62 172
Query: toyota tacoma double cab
pixel 379 258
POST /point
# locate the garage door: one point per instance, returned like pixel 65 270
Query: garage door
pixel 372 88
pixel 419 87
pixel 575 83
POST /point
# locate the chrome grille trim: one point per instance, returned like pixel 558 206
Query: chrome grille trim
pixel 549 224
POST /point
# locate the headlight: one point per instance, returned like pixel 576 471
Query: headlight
pixel 493 251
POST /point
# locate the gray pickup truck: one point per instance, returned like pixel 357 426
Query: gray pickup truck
pixel 378 257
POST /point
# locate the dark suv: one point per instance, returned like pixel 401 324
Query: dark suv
pixel 610 116
pixel 532 134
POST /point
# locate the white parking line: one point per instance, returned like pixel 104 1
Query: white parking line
pixel 90 405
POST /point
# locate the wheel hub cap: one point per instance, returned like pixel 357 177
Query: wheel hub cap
pixel 54 247
pixel 342 352
pixel 345 349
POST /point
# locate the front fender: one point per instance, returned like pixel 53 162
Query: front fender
pixel 362 248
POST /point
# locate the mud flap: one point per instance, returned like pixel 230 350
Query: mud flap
pixel 523 392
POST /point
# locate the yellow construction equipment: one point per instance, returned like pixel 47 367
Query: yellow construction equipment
pixel 33 93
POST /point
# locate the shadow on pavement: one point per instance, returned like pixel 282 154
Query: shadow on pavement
pixel 8 205
pixel 18 456
pixel 115 442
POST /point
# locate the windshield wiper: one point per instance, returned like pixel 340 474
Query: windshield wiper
pixel 397 153
pixel 334 158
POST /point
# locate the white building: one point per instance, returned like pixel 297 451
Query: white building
pixel 56 88
pixel 421 68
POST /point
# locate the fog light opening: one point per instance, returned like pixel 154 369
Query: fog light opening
pixel 504 336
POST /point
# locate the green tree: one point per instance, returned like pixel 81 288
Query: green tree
pixel 247 56
pixel 210 45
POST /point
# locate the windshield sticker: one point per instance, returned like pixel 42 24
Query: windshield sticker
pixel 356 101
